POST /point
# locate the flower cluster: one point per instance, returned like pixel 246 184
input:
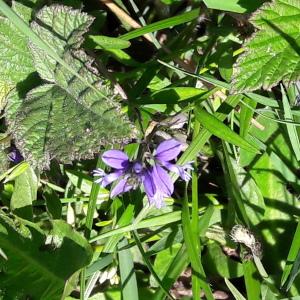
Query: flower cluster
pixel 151 173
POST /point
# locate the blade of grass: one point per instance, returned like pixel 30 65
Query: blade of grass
pixel 294 272
pixel 197 144
pixel 149 266
pixel 89 223
pixel 291 129
pixel 252 281
pixel 194 254
pixel 294 250
pixel 173 21
pixel 127 273
pixel 233 186
pixel 246 115
pixel 146 223
pixel 235 292
pixel 219 129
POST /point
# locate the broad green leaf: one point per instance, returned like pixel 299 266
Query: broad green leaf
pixel 272 54
pixel 219 129
pixel 25 191
pixel 66 120
pixel 39 263
pixel 216 263
pixel 105 42
pixel 15 58
pixel 163 260
pixel 234 5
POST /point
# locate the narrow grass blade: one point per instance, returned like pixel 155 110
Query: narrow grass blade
pixel 149 266
pixel 194 254
pixel 219 129
pixel 292 256
pixel 291 129
pixel 192 151
pixel 235 292
pixel 128 277
pixel 246 115
pixel 252 281
pixel 173 21
pixel 153 222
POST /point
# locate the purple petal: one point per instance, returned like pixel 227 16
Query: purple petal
pixel 182 171
pixel 162 181
pixel 15 156
pixel 154 196
pixel 116 159
pixel 121 187
pixel 168 150
pixel 106 180
pixel 149 186
pixel 99 172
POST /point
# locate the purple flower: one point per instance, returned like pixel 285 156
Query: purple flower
pixel 169 150
pixel 15 156
pixel 152 173
pixel 128 174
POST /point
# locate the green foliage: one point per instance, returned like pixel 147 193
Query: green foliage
pixel 61 120
pixel 272 54
pixel 39 261
pixel 15 59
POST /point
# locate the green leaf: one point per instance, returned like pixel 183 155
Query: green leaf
pixel 25 191
pixel 105 42
pixel 218 264
pixel 39 263
pixel 294 251
pixel 173 21
pixel 235 292
pixel 15 59
pixel 128 277
pixel 66 120
pixel 291 128
pixel 237 6
pixel 219 129
pixel 265 62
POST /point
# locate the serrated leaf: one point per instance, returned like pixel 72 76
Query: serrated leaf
pixel 15 58
pixel 272 54
pixel 72 117
pixel 40 262
pixel 52 124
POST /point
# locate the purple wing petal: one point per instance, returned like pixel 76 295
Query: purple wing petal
pixel 182 171
pixel 111 177
pixel 154 195
pixel 149 186
pixel 162 181
pixel 168 150
pixel 121 187
pixel 116 159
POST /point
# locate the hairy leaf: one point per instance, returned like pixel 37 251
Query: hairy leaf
pixel 39 263
pixel 273 53
pixel 15 58
pixel 71 117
